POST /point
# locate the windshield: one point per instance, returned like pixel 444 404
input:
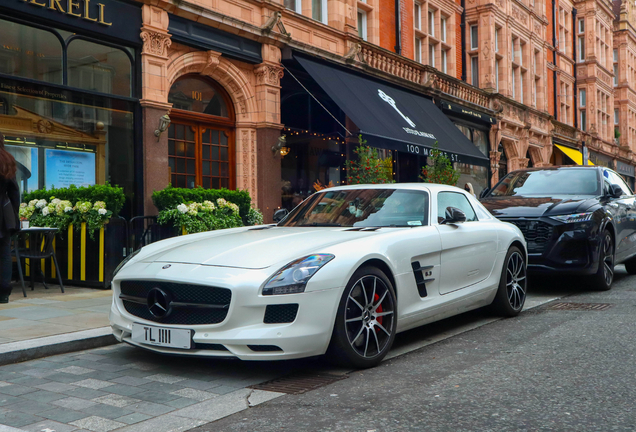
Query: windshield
pixel 549 183
pixel 362 208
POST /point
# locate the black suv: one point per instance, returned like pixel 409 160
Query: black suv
pixel 576 220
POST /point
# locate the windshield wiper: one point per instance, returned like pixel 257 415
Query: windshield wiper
pixel 317 224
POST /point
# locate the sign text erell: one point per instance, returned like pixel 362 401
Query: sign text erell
pixel 77 8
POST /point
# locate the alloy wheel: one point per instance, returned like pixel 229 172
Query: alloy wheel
pixel 608 260
pixel 516 280
pixel 369 316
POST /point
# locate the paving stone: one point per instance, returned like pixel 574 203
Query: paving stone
pixel 159 386
pixel 129 380
pixel 16 390
pixel 181 403
pixel 75 370
pixel 4 383
pixel 216 408
pixel 132 418
pixel 144 366
pixel 7 400
pixel 198 384
pixel 124 390
pixel 150 408
pixel 38 372
pixel 107 411
pixel 35 313
pixel 56 387
pixel 165 378
pixel 85 393
pixel 91 357
pixel 164 423
pixel 98 424
pixel 138 373
pixel 18 419
pixel 107 367
pixel 62 378
pixel 43 396
pixel 191 393
pixel 28 406
pixel 4 376
pixel 92 383
pixel 50 425
pixel 116 400
pixel 155 396
pixel 29 381
pixel 41 364
pixel 73 403
pixel 221 390
pixel 63 415
pixel 105 376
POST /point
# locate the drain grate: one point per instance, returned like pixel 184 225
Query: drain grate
pixel 298 383
pixel 580 306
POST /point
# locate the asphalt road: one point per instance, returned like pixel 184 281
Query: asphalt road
pixel 556 370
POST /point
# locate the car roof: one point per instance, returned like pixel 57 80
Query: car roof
pixel 406 186
pixel 562 167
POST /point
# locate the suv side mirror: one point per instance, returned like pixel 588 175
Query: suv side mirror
pixel 616 191
pixel 484 192
pixel 453 216
pixel 280 214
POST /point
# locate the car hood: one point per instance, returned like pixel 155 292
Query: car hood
pixel 537 206
pixel 253 249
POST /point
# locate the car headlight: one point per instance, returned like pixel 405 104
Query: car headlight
pixel 573 218
pixel 123 263
pixel 293 278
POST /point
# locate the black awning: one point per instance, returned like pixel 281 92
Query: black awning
pixel 391 118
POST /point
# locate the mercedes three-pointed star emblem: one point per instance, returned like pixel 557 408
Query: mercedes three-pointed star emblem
pixel 159 303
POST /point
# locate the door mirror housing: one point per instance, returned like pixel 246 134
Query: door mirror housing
pixel 280 214
pixel 616 191
pixel 453 216
pixel 484 192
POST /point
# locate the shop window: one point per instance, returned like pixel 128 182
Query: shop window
pixel 197 95
pixel 99 68
pixel 29 52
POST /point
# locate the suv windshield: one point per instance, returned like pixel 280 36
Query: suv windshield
pixel 549 182
pixel 362 208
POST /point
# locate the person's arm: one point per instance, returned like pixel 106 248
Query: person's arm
pixel 13 191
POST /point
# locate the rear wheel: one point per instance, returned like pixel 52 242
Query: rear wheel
pixel 630 266
pixel 511 294
pixel 366 320
pixel 604 277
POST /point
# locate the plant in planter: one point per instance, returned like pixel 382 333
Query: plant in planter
pixel 254 217
pixel 369 168
pixel 197 217
pixel 169 198
pixel 439 170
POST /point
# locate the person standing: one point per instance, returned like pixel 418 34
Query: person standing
pixel 9 220
pixel 468 187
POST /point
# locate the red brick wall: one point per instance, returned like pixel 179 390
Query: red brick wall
pixel 387 24
pixel 406 9
pixel 458 44
pixel 550 94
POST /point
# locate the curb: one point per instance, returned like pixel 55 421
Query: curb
pixel 16 352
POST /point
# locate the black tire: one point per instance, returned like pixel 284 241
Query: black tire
pixel 630 266
pixel 602 280
pixel 513 283
pixel 366 320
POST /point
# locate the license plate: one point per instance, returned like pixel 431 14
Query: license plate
pixel 162 336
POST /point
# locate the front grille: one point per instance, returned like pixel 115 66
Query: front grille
pixel 536 233
pixel 278 314
pixel 211 347
pixel 192 304
pixel 264 348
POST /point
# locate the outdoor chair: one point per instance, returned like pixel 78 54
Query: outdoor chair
pixel 39 247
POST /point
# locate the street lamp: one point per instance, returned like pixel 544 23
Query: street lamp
pixel 164 122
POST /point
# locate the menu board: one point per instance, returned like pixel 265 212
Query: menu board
pixel 64 168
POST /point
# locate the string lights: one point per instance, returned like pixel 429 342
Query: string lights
pixel 325 137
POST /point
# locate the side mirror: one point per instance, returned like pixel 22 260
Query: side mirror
pixel 280 214
pixel 484 192
pixel 454 216
pixel 616 191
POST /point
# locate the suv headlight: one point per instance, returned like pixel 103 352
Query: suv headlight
pixel 125 261
pixel 573 218
pixel 293 278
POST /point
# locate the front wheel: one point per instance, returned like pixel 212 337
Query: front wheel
pixel 604 277
pixel 511 294
pixel 366 320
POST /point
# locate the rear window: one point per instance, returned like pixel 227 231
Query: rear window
pixel 549 182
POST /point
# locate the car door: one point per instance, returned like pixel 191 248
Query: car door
pixel 624 207
pixel 468 248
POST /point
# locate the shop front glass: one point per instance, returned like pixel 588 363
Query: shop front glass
pixel 476 175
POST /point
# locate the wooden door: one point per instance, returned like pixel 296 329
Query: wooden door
pixel 201 154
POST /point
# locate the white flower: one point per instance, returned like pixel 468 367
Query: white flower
pixel 183 209
pixel 45 211
pixel 55 201
pixel 68 209
pixel 101 211
pixel 41 203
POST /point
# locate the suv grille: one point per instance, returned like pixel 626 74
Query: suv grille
pixel 190 304
pixel 536 233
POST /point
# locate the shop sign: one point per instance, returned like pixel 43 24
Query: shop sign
pixel 601 160
pixel 468 113
pixel 625 169
pixel 110 17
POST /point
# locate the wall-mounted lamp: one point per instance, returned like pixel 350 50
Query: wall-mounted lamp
pixel 164 122
pixel 284 151
pixel 280 146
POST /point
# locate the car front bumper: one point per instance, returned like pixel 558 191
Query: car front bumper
pixel 243 333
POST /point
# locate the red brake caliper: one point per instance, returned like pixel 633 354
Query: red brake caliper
pixel 378 310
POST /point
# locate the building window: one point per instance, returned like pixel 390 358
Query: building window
pixel 444 62
pixel 582 98
pixel 295 5
pixel 474 40
pixel 442 28
pixel 497 39
pixel 431 55
pixel 497 66
pixel 581 40
pixel 417 16
pixel 615 55
pixel 513 84
pixel 512 49
pixel 615 74
pixel 615 116
pixel 319 10
pixel 418 50
pixel 474 68
pixel 581 26
pixel 431 23
pixel 534 93
pixel 362 24
pixel 583 123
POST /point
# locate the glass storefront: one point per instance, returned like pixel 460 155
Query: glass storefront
pixel 476 175
pixel 66 109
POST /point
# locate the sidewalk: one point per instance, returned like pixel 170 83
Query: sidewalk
pixel 49 322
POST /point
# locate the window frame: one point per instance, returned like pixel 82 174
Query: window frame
pixel 474 38
pixel 363 32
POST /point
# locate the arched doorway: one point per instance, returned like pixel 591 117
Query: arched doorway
pixel 201 137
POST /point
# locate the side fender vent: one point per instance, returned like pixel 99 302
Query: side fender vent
pixel 419 273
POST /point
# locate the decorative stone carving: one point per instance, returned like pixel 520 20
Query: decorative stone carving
pixel 518 15
pixel 268 74
pixel 275 20
pixel 155 43
pixel 355 51
pixel 500 3
pixel 495 156
pixel 213 63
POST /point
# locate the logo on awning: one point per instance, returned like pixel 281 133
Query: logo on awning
pixel 388 99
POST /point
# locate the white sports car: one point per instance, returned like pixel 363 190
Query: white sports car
pixel 342 274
